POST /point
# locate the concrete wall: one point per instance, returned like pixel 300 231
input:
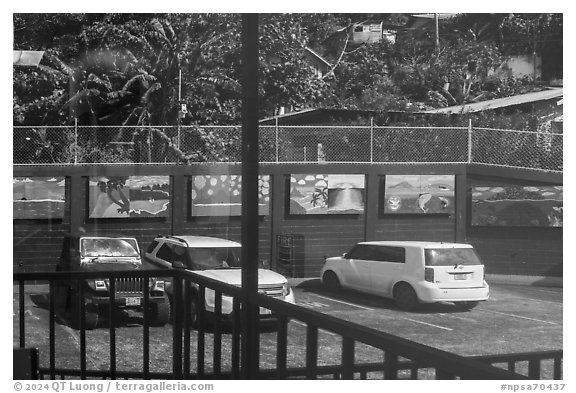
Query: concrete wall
pixel 534 251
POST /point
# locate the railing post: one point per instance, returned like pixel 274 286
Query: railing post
pixel 111 327
pixel 347 358
pixel 177 326
pixel 390 365
pixel 282 347
pixel 534 368
pixel 52 330
pixel 469 141
pixel 311 352
pixel 21 314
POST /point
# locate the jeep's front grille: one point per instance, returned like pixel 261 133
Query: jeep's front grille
pixel 271 290
pixel 129 285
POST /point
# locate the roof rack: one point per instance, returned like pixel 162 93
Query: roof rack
pixel 174 238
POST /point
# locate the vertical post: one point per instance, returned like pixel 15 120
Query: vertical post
pixel 371 213
pixel 371 140
pixel 390 365
pixel 180 106
pixel 437 34
pixel 469 141
pixel 347 358
pixel 250 312
pixel 277 142
pixel 177 328
pixel 77 205
pixel 461 212
pixel 178 205
pixel 75 141
pixel 311 352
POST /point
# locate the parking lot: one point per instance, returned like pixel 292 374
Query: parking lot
pixel 514 319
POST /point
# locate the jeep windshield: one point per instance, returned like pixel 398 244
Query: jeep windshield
pixel 215 257
pixel 108 247
pixel 451 257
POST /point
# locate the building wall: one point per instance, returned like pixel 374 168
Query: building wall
pixel 505 250
pixel 508 250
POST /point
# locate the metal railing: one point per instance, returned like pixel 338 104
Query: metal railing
pixel 400 358
pixel 77 145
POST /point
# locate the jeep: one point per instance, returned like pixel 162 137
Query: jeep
pixel 108 253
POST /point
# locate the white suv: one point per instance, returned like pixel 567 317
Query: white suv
pixel 218 259
pixel 411 272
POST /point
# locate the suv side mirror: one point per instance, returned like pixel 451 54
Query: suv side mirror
pixel 264 264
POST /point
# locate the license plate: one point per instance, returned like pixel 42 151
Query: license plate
pixel 460 276
pixel 265 311
pixel 132 301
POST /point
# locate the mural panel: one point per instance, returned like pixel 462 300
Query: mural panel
pixel 419 194
pixel 220 195
pixel 540 206
pixel 326 194
pixel 38 197
pixel 129 196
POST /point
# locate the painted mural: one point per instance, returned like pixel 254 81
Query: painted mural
pixel 326 194
pixel 128 196
pixel 220 195
pixel 38 197
pixel 419 194
pixel 540 206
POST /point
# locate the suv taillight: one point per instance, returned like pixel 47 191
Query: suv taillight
pixel 429 274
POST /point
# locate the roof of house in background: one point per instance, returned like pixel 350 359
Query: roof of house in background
pixel 318 116
pixel 545 95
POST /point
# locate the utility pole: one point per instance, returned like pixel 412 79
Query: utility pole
pixel 437 34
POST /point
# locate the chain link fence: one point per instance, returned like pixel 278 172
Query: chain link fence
pixel 52 145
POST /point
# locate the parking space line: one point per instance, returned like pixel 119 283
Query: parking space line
pixel 519 316
pixel 429 324
pixel 346 303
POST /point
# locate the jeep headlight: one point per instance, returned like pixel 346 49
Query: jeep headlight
pixel 99 284
pixel 286 290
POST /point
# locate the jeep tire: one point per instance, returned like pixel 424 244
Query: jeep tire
pixel 160 313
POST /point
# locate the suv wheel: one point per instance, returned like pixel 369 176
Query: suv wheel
pixel 330 280
pixel 405 297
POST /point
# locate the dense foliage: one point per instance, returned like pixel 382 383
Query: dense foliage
pixel 140 69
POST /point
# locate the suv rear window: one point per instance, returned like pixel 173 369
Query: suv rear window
pixel 451 256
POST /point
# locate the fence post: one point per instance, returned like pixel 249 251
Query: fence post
pixel 371 140
pixel 469 141
pixel 75 141
pixel 277 146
